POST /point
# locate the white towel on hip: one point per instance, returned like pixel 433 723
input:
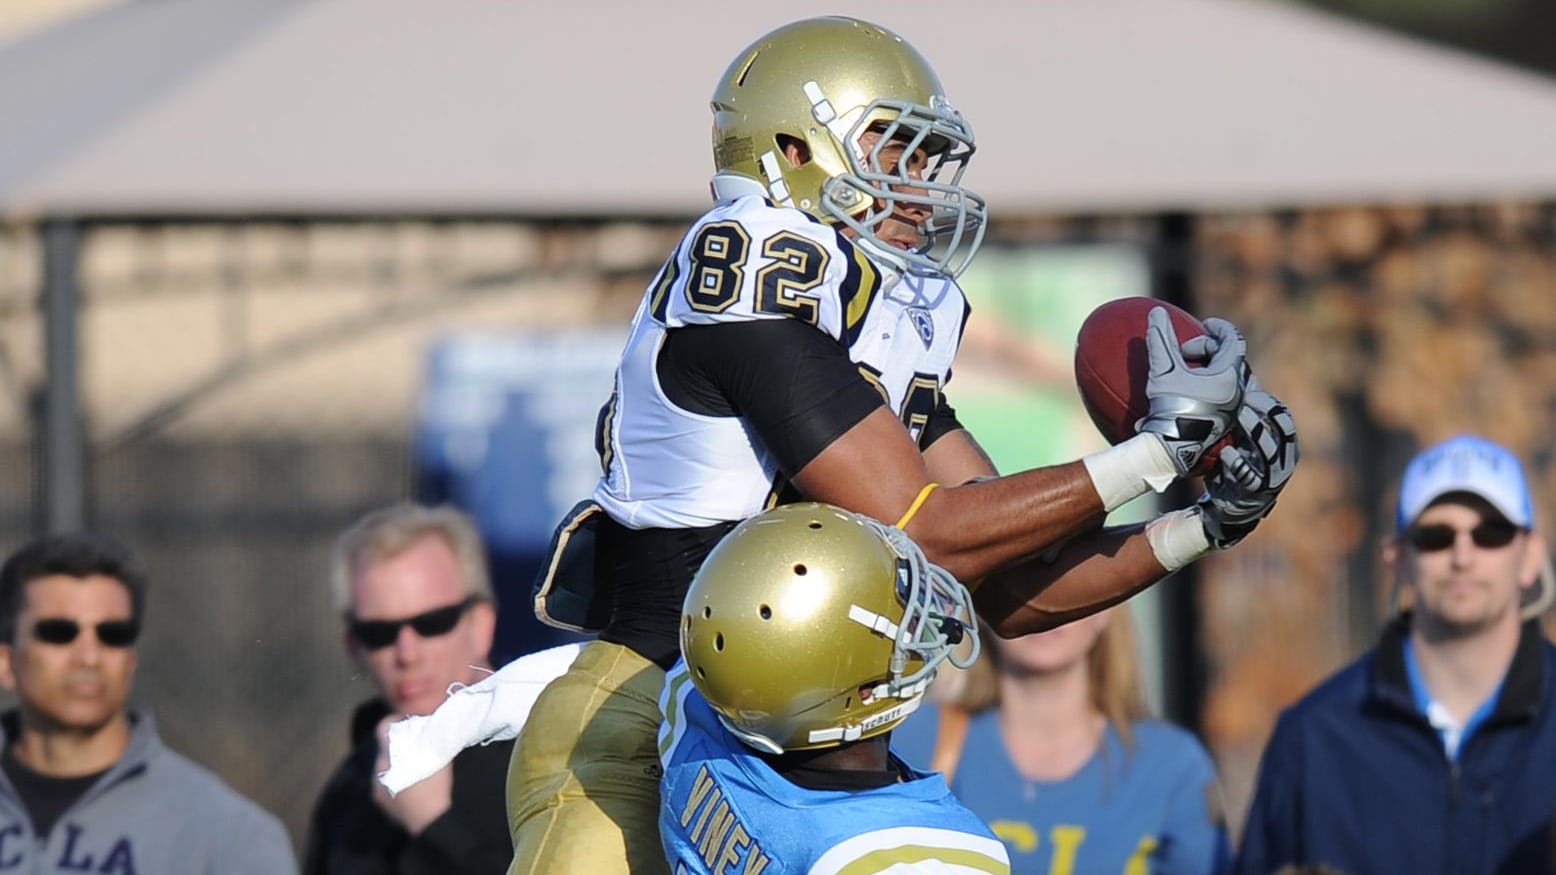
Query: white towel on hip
pixel 493 710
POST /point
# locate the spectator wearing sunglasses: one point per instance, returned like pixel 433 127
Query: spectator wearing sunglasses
pixel 411 586
pixel 88 785
pixel 1434 752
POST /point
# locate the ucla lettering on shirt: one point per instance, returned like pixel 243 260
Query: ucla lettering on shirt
pixel 113 854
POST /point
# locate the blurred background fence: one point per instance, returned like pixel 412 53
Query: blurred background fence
pixel 249 389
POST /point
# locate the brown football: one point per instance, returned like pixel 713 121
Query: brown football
pixel 1111 364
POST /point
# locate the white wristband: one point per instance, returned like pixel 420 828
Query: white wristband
pixel 1177 538
pixel 1126 471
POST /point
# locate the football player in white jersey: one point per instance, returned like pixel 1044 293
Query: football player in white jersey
pixel 809 633
pixel 796 345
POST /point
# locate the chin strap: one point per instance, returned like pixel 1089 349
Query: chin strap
pixel 854 732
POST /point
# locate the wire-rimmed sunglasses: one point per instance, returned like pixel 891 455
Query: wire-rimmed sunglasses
pixel 1488 535
pixel 378 634
pixel 63 630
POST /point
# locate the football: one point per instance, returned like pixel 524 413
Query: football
pixel 1111 364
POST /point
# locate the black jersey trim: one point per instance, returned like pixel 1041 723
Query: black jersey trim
pixel 659 301
pixel 860 283
pixel 961 332
pixel 941 423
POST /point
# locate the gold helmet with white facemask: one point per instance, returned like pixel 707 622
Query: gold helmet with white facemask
pixel 809 626
pixel 811 90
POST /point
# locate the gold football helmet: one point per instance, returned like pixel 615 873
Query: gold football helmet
pixel 820 84
pixel 809 626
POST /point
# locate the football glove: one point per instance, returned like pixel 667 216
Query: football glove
pixel 1253 470
pixel 1192 408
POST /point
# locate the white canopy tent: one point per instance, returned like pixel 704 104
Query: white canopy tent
pixel 598 107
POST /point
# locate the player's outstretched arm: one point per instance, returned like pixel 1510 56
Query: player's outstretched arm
pixel 993 529
pixel 1034 538
pixel 972 529
pixel 1095 568
pixel 980 528
pixel 1102 567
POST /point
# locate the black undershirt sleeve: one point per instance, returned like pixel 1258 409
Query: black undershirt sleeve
pixel 793 385
pixel 941 423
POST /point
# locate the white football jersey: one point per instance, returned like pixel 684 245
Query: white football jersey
pixel 746 259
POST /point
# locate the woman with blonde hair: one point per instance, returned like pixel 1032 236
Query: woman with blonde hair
pixel 1049 739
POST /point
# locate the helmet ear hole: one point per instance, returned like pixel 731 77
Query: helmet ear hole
pixel 766 612
pixel 794 149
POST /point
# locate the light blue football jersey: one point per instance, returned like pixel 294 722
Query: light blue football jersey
pixel 724 811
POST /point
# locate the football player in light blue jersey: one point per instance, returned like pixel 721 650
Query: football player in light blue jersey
pixel 807 635
pixel 796 345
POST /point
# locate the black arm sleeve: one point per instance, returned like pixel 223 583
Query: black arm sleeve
pixel 941 423
pixel 793 385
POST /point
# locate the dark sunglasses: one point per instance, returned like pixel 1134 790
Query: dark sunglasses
pixel 1487 536
pixel 377 634
pixel 113 633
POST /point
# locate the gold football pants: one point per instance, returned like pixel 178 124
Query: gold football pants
pixel 583 783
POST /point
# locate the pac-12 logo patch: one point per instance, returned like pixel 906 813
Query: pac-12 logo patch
pixel 923 323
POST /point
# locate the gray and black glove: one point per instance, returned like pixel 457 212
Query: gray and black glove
pixel 1192 408
pixel 1253 470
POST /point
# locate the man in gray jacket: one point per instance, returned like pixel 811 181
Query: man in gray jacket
pixel 85 783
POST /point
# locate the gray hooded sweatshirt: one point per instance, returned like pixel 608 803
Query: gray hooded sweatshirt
pixel 154 813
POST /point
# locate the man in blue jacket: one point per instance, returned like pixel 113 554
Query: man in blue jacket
pixel 1434 752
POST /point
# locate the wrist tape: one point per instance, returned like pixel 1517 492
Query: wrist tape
pixel 1128 470
pixel 1177 538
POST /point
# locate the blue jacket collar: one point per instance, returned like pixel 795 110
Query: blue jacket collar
pixel 1522 690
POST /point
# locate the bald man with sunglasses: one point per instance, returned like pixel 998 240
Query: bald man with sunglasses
pixel 1434 752
pixel 411 586
pixel 87 784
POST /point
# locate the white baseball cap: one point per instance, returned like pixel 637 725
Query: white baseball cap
pixel 1466 463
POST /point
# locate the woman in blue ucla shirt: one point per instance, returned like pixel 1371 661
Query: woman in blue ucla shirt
pixel 1051 742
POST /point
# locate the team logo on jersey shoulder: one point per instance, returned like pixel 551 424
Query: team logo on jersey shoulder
pixel 923 323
